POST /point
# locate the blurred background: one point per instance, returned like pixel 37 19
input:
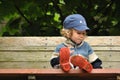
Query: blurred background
pixel 45 17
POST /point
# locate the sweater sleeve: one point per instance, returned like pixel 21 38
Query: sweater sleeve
pixel 55 56
pixel 54 61
pixel 93 58
pixel 97 63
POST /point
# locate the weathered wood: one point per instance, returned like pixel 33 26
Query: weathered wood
pixel 45 64
pixel 50 41
pixel 25 64
pixel 59 71
pixel 35 52
pixel 45 56
pixel 58 74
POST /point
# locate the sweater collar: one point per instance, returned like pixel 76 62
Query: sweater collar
pixel 71 43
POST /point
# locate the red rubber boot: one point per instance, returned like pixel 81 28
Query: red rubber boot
pixel 64 59
pixel 82 63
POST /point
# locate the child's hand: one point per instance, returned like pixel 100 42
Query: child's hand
pixel 71 52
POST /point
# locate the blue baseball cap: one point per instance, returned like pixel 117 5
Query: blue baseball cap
pixel 75 21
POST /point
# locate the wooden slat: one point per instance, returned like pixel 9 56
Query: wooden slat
pixel 51 48
pixel 111 64
pixel 109 56
pixel 45 56
pixel 43 41
pixel 26 48
pixel 107 48
pixel 104 40
pixel 22 41
pixel 46 64
pixel 58 74
pixel 25 64
pixel 58 71
pixel 25 56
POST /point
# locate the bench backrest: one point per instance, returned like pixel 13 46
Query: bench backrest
pixel 35 52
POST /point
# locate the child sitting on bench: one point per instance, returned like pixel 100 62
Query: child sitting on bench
pixel 75 52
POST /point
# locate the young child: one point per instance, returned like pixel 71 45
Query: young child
pixel 75 52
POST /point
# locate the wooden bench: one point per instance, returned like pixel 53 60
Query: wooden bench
pixel 34 53
pixel 58 74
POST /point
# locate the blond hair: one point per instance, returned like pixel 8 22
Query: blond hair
pixel 66 32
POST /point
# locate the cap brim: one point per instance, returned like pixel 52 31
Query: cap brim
pixel 81 28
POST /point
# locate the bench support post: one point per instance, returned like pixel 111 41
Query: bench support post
pixel 118 77
pixel 31 77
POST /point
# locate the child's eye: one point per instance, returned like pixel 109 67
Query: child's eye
pixel 81 33
pixel 78 33
pixel 84 33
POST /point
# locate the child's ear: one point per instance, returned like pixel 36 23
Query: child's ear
pixel 69 33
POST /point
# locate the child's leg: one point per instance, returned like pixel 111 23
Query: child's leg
pixel 64 59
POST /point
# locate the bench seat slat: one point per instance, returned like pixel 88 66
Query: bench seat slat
pixel 58 71
pixel 58 74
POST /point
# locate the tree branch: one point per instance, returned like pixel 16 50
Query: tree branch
pixel 20 12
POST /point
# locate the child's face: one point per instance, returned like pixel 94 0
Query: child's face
pixel 78 36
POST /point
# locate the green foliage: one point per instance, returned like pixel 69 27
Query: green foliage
pixel 45 17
